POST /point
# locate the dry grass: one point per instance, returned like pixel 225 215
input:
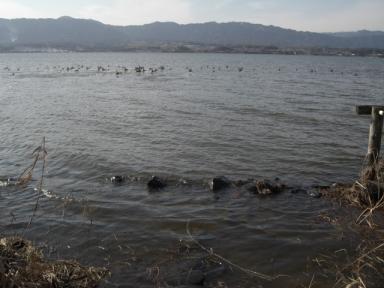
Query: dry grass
pixel 356 269
pixel 364 267
pixel 23 266
pixel 366 193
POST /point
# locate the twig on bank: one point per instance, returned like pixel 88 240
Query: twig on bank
pixel 245 270
pixel 312 281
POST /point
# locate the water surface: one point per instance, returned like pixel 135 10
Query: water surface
pixel 281 116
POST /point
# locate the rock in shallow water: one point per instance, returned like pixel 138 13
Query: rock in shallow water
pixel 219 183
pixel 117 179
pixel 156 183
pixel 266 187
pixel 195 277
pixel 193 272
pixel 241 183
pixel 314 193
pixel 298 190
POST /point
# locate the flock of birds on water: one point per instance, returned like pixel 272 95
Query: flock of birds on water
pixel 121 70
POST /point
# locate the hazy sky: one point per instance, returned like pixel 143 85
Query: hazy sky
pixel 308 15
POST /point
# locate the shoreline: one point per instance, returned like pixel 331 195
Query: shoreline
pixel 191 262
pixel 192 49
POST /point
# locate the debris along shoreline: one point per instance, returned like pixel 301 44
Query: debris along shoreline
pixel 23 265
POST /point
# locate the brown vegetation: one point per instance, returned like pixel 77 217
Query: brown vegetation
pixel 23 266
pixel 365 266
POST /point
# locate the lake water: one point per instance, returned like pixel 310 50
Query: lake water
pixel 290 117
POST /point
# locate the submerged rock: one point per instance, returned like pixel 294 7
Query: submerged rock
pixel 195 277
pixel 156 183
pixel 213 273
pixel 314 193
pixel 192 271
pixel 241 183
pixel 11 181
pixel 266 187
pixel 117 179
pixel 298 190
pixel 219 183
pixel 317 191
pixel 182 182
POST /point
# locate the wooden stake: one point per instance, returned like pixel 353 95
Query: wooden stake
pixel 375 130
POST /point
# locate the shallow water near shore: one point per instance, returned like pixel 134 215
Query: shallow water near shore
pixel 281 116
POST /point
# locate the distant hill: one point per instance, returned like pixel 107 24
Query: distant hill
pixel 361 33
pixel 70 33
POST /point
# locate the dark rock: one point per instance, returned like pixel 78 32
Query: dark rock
pixel 18 245
pixel 265 187
pixel 156 183
pixel 211 274
pixel 183 182
pixel 12 181
pixel 117 179
pixel 314 193
pixel 184 272
pixel 219 183
pixel 375 190
pixel 250 187
pixel 134 178
pixel 320 187
pixel 298 190
pixel 194 271
pixel 195 277
pixel 240 183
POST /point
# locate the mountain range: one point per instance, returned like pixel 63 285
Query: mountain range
pixel 85 34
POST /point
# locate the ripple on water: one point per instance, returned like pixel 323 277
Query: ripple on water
pixel 261 122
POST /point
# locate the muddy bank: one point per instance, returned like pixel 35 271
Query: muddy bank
pixel 23 266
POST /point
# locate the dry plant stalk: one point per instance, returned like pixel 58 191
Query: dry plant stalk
pixel 367 268
pixel 231 264
pixel 39 154
pixel 366 193
pixel 372 187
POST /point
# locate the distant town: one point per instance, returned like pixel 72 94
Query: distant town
pixel 197 48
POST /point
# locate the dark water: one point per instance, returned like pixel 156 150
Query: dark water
pixel 282 116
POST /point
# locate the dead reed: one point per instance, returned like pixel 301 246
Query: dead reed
pixel 364 267
pixel 366 193
pixel 40 153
